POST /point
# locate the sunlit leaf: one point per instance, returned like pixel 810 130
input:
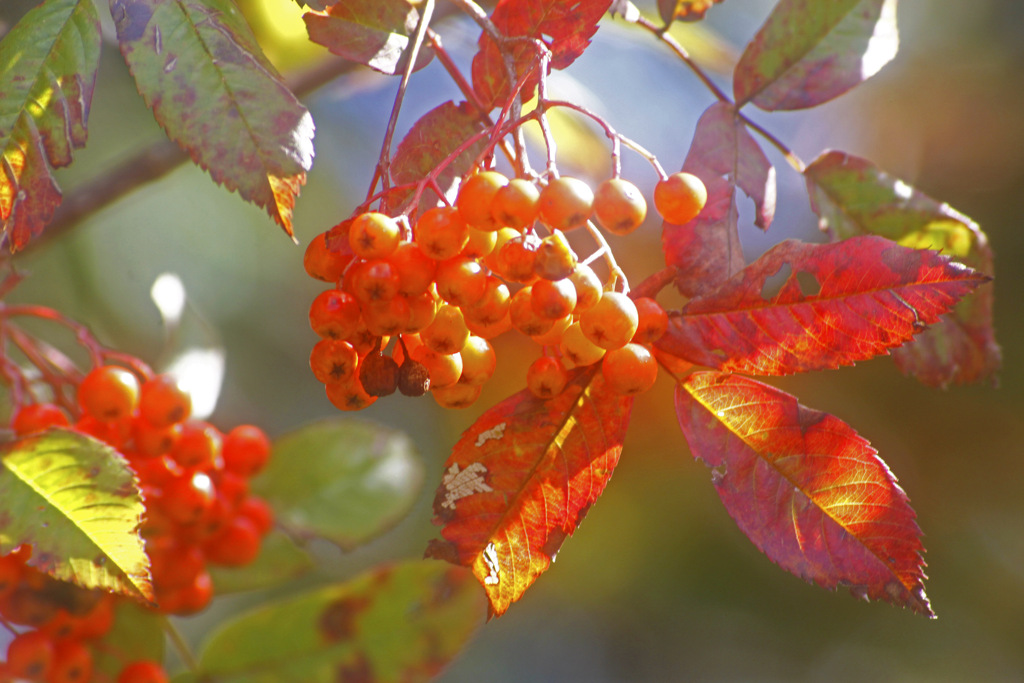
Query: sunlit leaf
pixel 75 501
pixel 372 32
pixel 852 196
pixel 565 27
pixel 809 52
pixel 137 633
pixel 48 64
pixel 431 140
pixel 341 479
pixel 521 479
pixel 279 560
pixel 707 250
pixel 836 304
pixel 809 492
pixel 397 624
pixel 201 71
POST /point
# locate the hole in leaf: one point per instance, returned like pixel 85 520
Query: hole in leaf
pixel 773 283
pixel 809 285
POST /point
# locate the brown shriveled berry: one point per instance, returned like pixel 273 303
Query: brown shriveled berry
pixel 566 203
pixel 379 375
pixel 413 378
pixel 619 206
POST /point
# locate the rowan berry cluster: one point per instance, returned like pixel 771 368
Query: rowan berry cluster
pixel 498 259
pixel 199 512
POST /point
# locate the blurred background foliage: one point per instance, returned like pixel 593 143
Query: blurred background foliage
pixel 658 585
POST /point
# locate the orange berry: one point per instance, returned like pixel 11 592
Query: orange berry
pixel 415 268
pixel 108 392
pixel 492 306
pixel 447 333
pixel 36 417
pixel 588 286
pixel 516 259
pixel 422 309
pixel 480 243
pixel 478 361
pixel 333 360
pixel 162 402
pixel 553 337
pixel 523 316
pixel 516 205
pixel 456 395
pixel 490 330
pixel 577 349
pixel 652 321
pixel 680 197
pixel 547 377
pixel 566 203
pixel 334 314
pixel 444 369
pixel 374 235
pixel 385 318
pixel 441 232
pixel 555 258
pixel 246 450
pixel 143 671
pixel 349 395
pixel 30 655
pixel 619 206
pixel 553 299
pixel 611 322
pixel 630 369
pixel 461 281
pixel 322 263
pixel 375 280
pixel 501 238
pixel 72 662
pixel 475 197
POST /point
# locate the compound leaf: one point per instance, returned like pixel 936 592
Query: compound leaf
pixel 393 624
pixel 75 501
pixel 809 492
pixel 341 479
pixel 48 65
pixel 852 196
pixel 371 32
pixel 521 479
pixel 809 52
pixel 565 27
pixel 201 71
pixel 836 304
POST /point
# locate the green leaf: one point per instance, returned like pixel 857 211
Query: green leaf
pixel 75 500
pixel 399 623
pixel 201 71
pixel 852 196
pixel 809 52
pixel 48 66
pixel 137 633
pixel 342 479
pixel 372 32
pixel 279 560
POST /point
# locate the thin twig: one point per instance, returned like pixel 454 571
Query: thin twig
pixel 184 651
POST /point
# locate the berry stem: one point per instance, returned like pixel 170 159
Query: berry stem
pixel 383 171
pixel 605 250
pixel 178 641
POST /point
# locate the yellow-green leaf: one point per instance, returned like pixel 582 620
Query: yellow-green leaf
pixel 75 501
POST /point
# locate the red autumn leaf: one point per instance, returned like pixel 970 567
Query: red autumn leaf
pixel 48 65
pixel 565 27
pixel 372 32
pixel 852 196
pixel 433 138
pixel 218 97
pixel 521 479
pixel 809 52
pixel 838 303
pixel 723 154
pixel 811 493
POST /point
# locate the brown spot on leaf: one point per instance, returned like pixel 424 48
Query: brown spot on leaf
pixel 338 620
pixel 358 671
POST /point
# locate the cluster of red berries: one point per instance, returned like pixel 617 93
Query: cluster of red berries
pixel 199 512
pixel 461 275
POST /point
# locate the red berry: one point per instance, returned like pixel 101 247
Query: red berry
pixel 143 671
pixel 72 662
pixel 197 446
pixel 37 417
pixel 187 498
pixel 259 512
pixel 246 450
pixel 108 392
pixel 30 655
pixel 162 402
pixel 237 545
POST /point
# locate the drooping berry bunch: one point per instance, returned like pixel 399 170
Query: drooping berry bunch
pixel 444 285
pixel 199 512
